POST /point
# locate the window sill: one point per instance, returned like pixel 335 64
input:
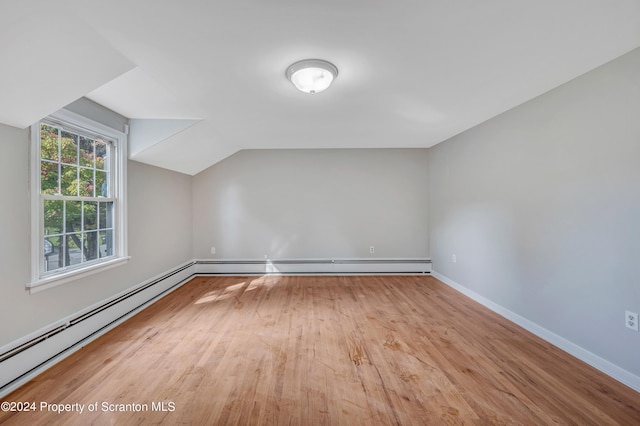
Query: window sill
pixel 41 284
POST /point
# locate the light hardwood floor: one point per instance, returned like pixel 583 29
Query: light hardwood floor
pixel 324 350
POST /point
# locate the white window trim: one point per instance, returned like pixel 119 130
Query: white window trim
pixel 38 280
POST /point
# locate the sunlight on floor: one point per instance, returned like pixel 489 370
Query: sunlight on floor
pixel 234 290
pixel 265 281
pixel 220 294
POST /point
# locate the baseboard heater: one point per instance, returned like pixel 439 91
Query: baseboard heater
pixel 313 266
pixel 27 359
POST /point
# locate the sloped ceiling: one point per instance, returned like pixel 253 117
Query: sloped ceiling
pixel 411 73
pixel 45 63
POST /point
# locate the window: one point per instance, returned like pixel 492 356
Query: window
pixel 78 169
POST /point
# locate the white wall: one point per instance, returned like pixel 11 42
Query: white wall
pixel 159 236
pixel 541 205
pixel 330 203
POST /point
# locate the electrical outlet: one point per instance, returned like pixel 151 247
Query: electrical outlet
pixel 631 320
pixel 213 250
pixel 372 249
pixel 454 258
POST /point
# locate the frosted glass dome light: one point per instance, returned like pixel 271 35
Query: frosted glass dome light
pixel 312 75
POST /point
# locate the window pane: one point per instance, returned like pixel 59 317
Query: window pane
pixel 48 142
pixel 73 216
pixel 53 260
pixel 106 215
pixel 101 155
pixel 102 215
pixel 53 217
pixel 106 243
pixel 69 183
pixel 91 245
pixel 102 184
pixel 74 252
pixel 86 183
pixel 90 216
pixel 48 178
pixel 69 148
pixel 86 152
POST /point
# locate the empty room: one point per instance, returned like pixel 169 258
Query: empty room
pixel 301 213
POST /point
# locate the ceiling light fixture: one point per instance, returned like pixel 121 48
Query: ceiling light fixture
pixel 312 75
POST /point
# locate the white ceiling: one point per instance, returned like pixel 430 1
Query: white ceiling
pixel 411 73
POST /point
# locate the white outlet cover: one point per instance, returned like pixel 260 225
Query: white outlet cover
pixel 631 320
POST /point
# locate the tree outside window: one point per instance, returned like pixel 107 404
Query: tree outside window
pixel 76 196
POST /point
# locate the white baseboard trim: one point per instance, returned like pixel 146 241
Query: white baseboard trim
pixel 623 376
pixel 311 266
pixel 76 331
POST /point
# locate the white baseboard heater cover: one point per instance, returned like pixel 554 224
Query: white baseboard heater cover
pixel 313 266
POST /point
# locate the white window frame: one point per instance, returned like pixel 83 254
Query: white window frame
pixel 40 279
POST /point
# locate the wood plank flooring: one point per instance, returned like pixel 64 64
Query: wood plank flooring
pixel 323 351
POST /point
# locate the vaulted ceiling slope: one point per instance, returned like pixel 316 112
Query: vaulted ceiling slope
pixel 411 73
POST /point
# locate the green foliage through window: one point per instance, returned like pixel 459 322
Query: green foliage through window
pixel 77 205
